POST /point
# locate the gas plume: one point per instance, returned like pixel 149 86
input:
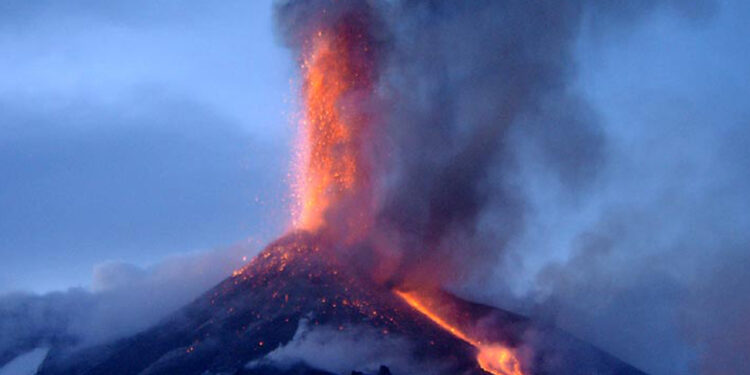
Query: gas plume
pixel 412 112
pixel 423 176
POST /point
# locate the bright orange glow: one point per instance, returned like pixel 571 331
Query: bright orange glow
pixel 492 357
pixel 330 165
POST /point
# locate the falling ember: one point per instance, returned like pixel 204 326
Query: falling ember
pixel 492 357
pixel 331 165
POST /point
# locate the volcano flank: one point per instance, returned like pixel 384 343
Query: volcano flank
pixel 292 286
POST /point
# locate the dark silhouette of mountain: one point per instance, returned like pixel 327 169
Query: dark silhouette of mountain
pixel 259 309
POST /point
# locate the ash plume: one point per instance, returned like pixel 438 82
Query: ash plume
pixel 464 76
pixel 488 146
pixel 463 89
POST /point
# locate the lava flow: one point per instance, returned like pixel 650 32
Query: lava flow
pixel 492 357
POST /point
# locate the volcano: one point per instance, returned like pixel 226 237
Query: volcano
pixel 357 283
pixel 293 285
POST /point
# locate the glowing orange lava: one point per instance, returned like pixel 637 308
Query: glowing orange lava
pixel 331 165
pixel 492 357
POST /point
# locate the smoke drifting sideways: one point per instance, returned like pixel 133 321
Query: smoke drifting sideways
pixel 124 300
pixel 496 178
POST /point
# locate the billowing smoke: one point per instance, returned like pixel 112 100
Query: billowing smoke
pixel 366 348
pixel 463 90
pixel 463 76
pixel 500 180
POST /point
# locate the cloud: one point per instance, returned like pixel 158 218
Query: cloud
pixel 126 299
pixel 26 364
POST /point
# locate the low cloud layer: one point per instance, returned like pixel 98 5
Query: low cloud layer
pixel 125 300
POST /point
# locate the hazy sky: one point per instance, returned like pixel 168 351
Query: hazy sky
pixel 134 130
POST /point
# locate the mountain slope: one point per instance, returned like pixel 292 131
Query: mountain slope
pixel 294 284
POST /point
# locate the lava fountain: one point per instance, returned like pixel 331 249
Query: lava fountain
pixel 334 168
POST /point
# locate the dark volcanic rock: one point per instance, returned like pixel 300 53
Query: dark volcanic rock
pixel 260 308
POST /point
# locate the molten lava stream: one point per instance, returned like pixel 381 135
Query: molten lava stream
pixel 492 357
